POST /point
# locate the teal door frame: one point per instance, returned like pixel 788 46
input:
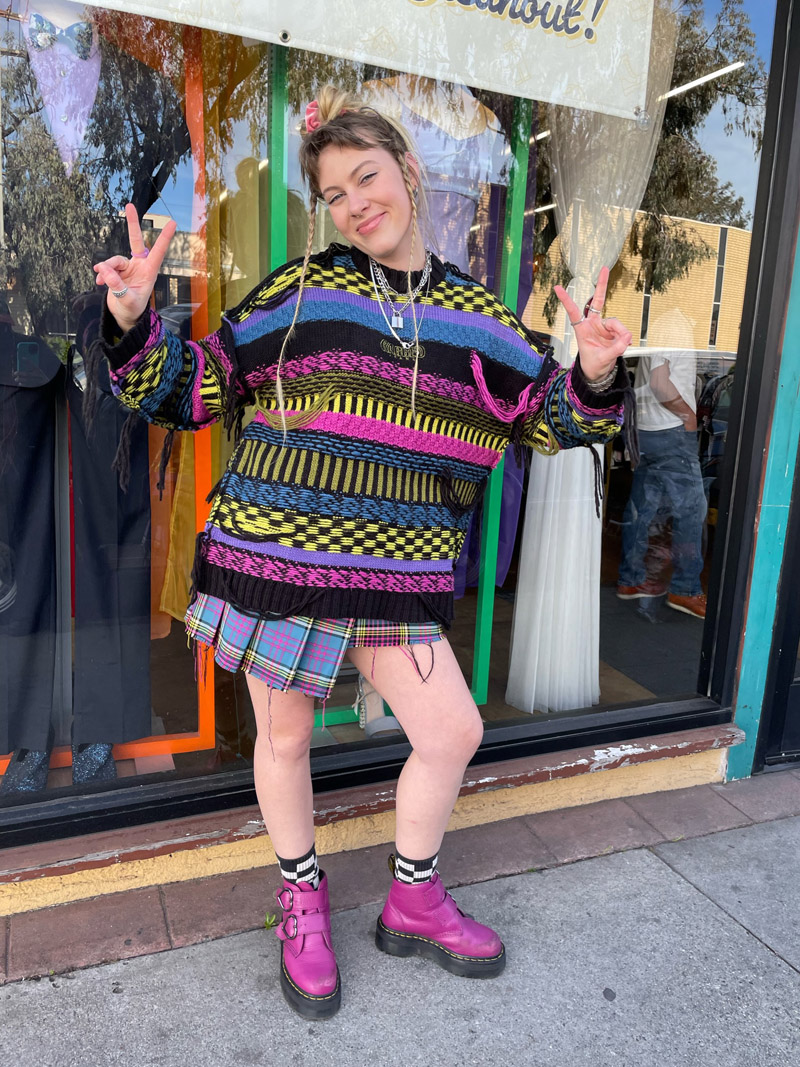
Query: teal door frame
pixel 764 466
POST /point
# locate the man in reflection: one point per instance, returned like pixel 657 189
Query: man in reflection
pixel 667 482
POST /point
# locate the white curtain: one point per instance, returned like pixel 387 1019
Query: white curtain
pixel 600 167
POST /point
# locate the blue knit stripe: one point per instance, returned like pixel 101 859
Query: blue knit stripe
pixel 295 498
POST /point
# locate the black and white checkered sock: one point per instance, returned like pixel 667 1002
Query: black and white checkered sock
pixel 305 869
pixel 413 871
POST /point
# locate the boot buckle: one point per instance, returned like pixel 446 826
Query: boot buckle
pixel 289 936
pixel 279 898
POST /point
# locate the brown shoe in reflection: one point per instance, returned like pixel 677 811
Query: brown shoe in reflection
pixel 690 605
pixel 647 588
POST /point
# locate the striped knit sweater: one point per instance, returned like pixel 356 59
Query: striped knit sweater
pixel 363 510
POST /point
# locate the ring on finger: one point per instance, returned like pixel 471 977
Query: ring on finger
pixel 578 321
pixel 594 311
pixel 119 293
pixel 140 255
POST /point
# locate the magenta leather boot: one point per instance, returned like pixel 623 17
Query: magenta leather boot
pixel 309 975
pixel 424 920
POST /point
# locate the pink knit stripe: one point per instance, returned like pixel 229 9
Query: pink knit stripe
pixel 372 367
pixel 280 570
pixel 431 444
pixel 200 412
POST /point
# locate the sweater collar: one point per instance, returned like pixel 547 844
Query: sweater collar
pixel 398 279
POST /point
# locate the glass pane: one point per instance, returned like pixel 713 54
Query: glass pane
pixel 96 561
pixel 97 519
pixel 679 286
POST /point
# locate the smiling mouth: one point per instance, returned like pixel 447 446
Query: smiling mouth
pixel 370 224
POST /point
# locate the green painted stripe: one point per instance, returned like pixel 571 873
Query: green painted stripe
pixel 490 534
pixel 277 137
pixel 771 526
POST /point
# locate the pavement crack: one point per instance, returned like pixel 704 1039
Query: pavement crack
pixel 724 910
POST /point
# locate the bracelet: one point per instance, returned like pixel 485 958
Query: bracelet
pixel 604 384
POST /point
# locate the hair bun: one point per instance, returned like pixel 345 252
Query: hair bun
pixel 330 103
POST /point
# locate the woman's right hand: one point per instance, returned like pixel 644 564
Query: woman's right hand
pixel 134 277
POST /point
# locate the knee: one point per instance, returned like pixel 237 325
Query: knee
pixel 458 744
pixel 288 743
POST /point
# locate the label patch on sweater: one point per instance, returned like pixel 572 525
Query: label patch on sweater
pixel 399 352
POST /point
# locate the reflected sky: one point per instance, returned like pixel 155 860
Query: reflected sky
pixel 734 153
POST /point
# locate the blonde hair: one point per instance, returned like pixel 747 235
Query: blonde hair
pixel 347 122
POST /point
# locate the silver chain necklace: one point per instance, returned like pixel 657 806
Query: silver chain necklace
pixel 395 315
pixel 391 294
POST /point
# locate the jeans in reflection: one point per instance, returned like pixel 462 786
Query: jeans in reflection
pixel 667 476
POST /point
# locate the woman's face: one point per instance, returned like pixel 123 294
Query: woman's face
pixel 369 203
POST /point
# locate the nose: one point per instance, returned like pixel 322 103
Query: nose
pixel 357 203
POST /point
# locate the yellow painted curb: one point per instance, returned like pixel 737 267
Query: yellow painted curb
pixel 477 809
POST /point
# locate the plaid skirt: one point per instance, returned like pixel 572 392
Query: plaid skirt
pixel 295 653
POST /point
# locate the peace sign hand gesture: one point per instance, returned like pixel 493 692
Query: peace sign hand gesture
pixel 131 280
pixel 600 341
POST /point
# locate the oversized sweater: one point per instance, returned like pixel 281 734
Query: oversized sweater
pixel 362 508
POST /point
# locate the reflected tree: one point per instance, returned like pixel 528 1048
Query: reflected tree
pixel 685 182
pixel 56 224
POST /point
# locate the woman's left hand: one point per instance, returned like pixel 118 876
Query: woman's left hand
pixel 600 341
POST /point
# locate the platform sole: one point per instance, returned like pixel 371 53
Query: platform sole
pixel 398 944
pixel 306 1005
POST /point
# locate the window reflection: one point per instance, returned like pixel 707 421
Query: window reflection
pixel 95 561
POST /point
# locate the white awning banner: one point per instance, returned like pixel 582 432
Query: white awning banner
pixel 589 54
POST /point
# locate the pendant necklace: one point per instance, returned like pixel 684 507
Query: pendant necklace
pixel 379 279
pixel 386 292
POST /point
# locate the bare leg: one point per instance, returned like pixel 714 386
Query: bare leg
pixel 281 766
pixel 444 727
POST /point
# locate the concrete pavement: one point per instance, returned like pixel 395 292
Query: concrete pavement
pixel 682 953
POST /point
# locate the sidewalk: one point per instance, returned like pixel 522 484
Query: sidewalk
pixel 675 952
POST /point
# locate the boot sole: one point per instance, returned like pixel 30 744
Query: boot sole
pixel 397 944
pixel 307 1005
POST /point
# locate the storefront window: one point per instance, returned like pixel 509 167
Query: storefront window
pixel 98 515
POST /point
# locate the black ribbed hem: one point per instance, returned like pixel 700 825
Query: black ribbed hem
pixel 117 349
pixel 278 600
pixel 609 398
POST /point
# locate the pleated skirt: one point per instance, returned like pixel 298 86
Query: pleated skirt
pixel 299 652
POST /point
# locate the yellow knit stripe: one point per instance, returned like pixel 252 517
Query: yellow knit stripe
pixel 318 533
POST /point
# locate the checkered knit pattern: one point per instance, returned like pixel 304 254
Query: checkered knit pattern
pixel 361 512
pixel 305 869
pixel 413 871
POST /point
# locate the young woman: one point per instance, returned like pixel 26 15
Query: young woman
pixel 387 386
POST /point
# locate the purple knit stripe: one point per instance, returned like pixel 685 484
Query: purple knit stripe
pixel 614 412
pixel 324 577
pixel 314 294
pixel 328 559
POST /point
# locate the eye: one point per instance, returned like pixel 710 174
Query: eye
pixel 335 198
pixel 367 177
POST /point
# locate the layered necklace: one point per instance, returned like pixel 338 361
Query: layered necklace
pixel 384 292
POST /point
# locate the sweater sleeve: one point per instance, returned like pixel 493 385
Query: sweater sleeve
pixel 177 384
pixel 186 385
pixel 566 411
